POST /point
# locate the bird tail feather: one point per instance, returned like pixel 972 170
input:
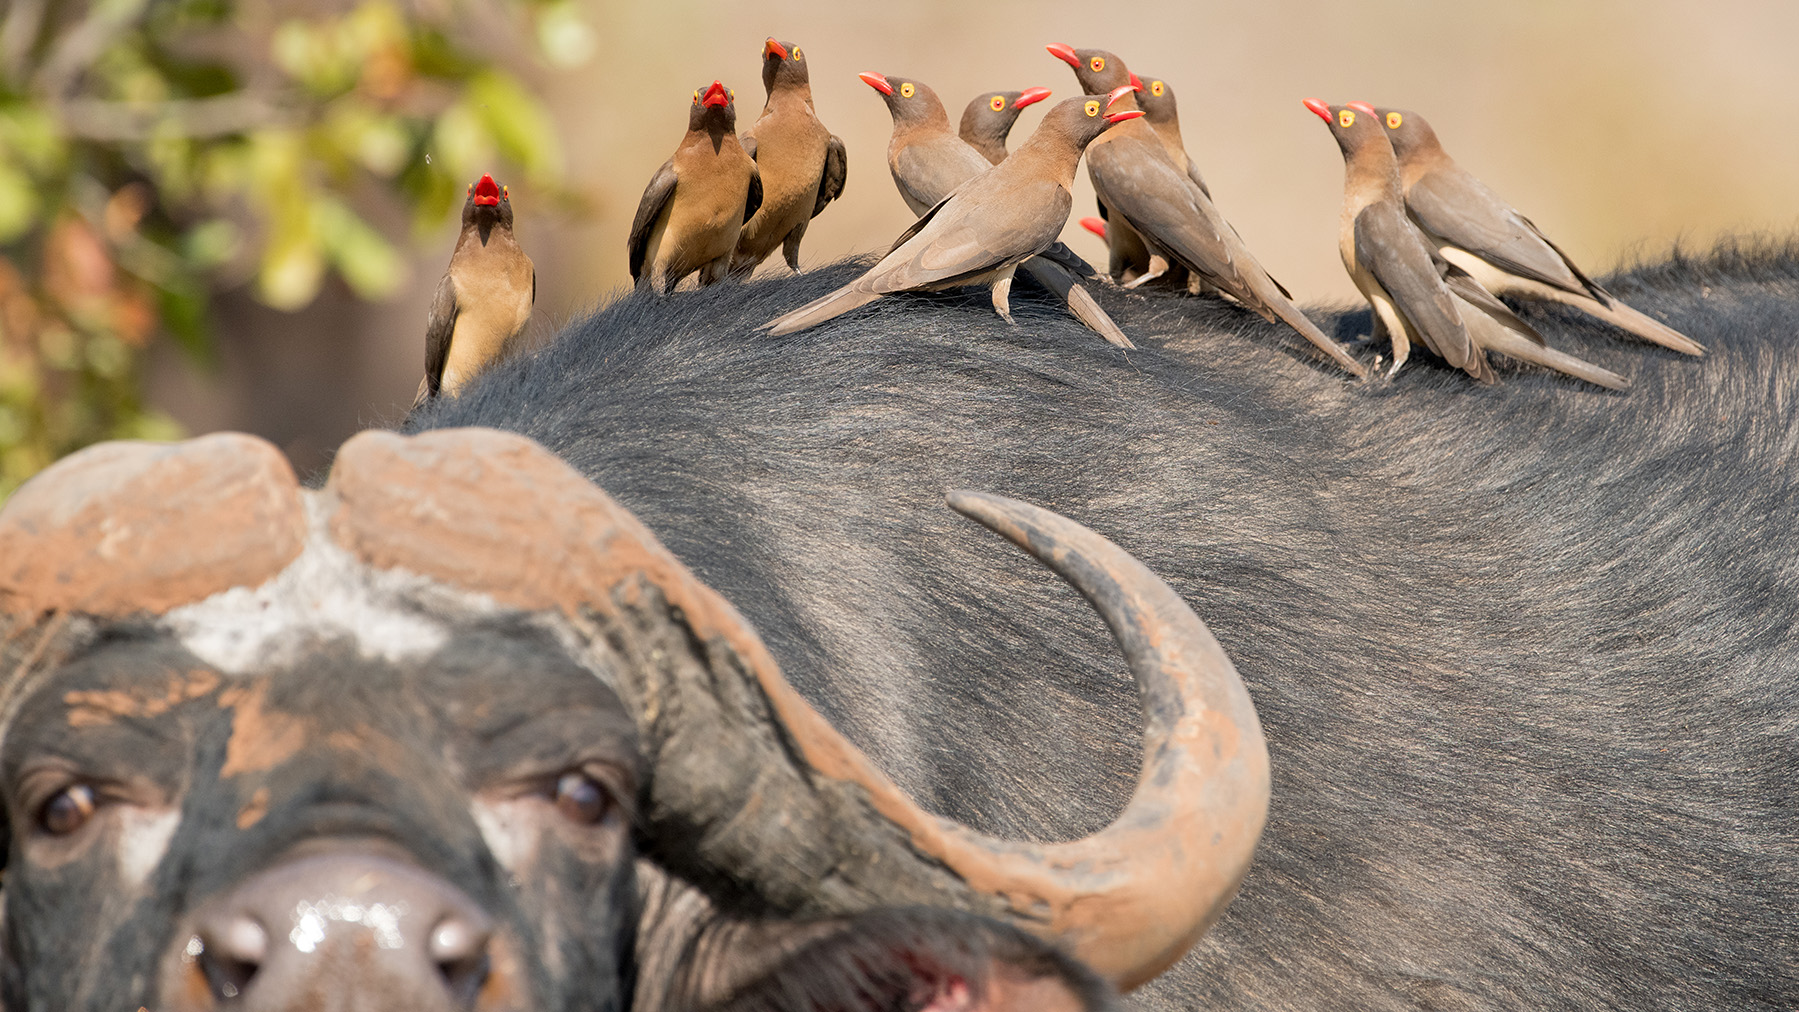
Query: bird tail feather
pixel 1509 342
pixel 1081 303
pixel 819 310
pixel 1625 318
pixel 1291 315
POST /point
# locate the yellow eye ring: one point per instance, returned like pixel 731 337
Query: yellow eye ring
pixel 907 91
pixel 1092 108
pixel 1155 88
pixel 1393 120
pixel 505 193
pixel 1098 63
pixel 1345 118
pixel 997 103
pixel 696 97
pixel 796 53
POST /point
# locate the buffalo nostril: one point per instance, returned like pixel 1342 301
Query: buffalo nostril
pixel 230 954
pixel 459 948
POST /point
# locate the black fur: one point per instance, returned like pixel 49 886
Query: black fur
pixel 1525 655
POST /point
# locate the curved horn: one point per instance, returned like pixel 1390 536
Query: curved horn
pixel 753 790
pixel 1134 897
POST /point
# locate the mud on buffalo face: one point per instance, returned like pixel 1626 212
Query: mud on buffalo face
pixel 455 732
pixel 304 803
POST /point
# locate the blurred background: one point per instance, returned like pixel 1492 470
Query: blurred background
pixel 231 214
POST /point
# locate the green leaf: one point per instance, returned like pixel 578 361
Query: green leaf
pixel 568 41
pixel 515 120
pixel 371 266
pixel 18 202
pixel 187 317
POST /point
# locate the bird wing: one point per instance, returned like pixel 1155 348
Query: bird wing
pixel 837 164
pixel 928 171
pixel 975 231
pixel 655 198
pixel 1469 290
pixel 748 140
pixel 1138 180
pixel 1061 255
pixel 1389 247
pixel 1458 208
pixel 753 200
pixel 440 326
pixel 1193 174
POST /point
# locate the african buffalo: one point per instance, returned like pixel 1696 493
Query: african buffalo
pixel 1525 654
pixel 455 732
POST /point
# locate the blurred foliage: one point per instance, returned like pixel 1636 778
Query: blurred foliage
pixel 152 151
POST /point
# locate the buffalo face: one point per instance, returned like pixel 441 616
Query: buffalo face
pixel 451 828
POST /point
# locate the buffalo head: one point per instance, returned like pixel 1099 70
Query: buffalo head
pixel 455 731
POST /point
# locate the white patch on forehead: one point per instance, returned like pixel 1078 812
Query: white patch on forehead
pixel 510 831
pixel 144 835
pixel 326 593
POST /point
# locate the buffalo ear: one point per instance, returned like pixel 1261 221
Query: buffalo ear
pixel 929 959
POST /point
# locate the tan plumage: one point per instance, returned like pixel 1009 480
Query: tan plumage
pixel 694 207
pixel 982 231
pixel 484 299
pixel 802 164
pixel 1141 186
pixel 929 162
pixel 1415 294
pixel 1478 231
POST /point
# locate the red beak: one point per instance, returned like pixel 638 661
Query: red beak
pixel 1030 95
pixel 1136 83
pixel 1118 93
pixel 1318 106
pixel 1362 107
pixel 1094 225
pixel 1065 53
pixel 876 81
pixel 1120 117
pixel 716 96
pixel 487 192
pixel 773 48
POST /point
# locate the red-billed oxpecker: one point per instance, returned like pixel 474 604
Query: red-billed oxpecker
pixel 1141 186
pixel 484 299
pixel 1416 295
pixel 696 204
pixel 987 121
pixel 928 163
pixel 1475 229
pixel 981 233
pixel 802 164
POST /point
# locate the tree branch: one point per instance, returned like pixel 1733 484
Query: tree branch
pixel 17 36
pixel 80 46
pixel 194 118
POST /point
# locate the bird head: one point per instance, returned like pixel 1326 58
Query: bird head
pixel 714 105
pixel 1099 72
pixel 783 63
pixel 1156 99
pixel 1407 132
pixel 908 100
pixel 1355 126
pixel 488 204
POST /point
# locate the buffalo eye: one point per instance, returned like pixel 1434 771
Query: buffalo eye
pixel 581 799
pixel 67 810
